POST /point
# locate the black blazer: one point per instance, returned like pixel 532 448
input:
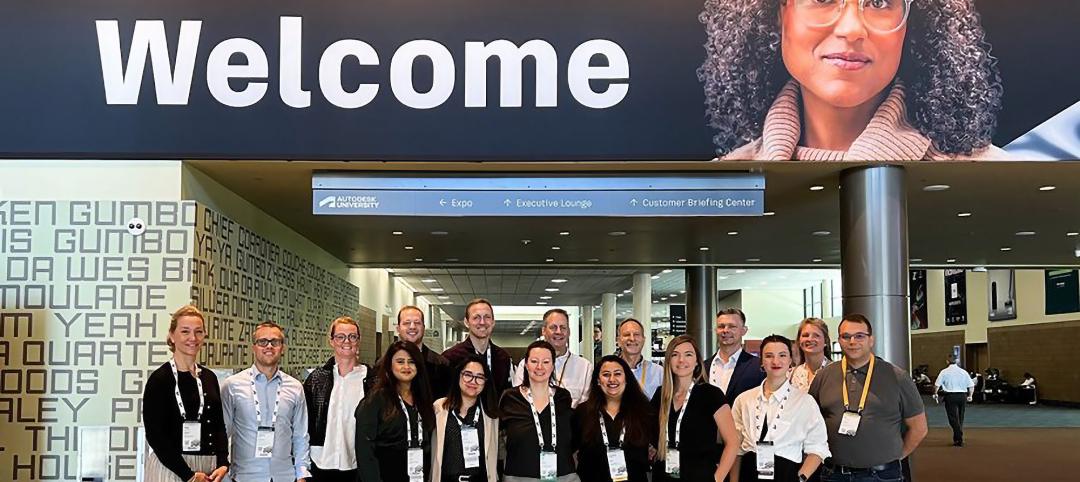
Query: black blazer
pixel 748 374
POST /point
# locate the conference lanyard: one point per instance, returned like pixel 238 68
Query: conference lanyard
pixel 562 373
pixel 408 425
pixel 682 411
pixel 603 430
pixel 865 388
pixel 536 420
pixel 255 395
pixel 176 391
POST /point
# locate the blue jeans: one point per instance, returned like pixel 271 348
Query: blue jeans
pixel 891 473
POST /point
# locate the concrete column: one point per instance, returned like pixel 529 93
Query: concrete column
pixel 607 316
pixel 701 305
pixel 874 255
pixel 642 294
pixel 586 330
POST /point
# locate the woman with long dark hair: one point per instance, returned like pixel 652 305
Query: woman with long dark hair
pixel 394 422
pixel 616 424
pixel 858 80
pixel 693 416
pixel 466 438
pixel 536 417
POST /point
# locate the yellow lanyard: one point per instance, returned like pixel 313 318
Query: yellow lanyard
pixel 865 388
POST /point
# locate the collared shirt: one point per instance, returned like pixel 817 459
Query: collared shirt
pixel 802 377
pixel 795 423
pixel 650 375
pixel 572 372
pixel 338 451
pixel 290 458
pixel 720 372
pixel 954 379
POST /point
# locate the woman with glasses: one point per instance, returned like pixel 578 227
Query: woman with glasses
pixel 394 422
pixel 815 350
pixel 858 80
pixel 694 415
pixel 778 423
pixel 333 391
pixel 466 438
pixel 536 417
pixel 617 426
pixel 185 426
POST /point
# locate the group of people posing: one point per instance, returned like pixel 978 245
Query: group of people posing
pixel 470 415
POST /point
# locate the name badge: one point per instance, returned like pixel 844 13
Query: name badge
pixel 549 466
pixel 414 464
pixel 264 443
pixel 470 444
pixel 191 437
pixel 849 423
pixel 766 460
pixel 616 462
pixel 671 463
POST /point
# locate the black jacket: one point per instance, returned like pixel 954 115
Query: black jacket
pixel 317 390
pixel 748 374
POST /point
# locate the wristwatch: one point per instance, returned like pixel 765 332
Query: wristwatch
pixel 802 478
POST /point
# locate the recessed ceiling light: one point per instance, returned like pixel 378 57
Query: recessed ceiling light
pixel 438 290
pixel 593 260
pixel 408 247
pixel 704 248
pixel 682 291
pixel 626 291
pixel 666 271
pixel 555 248
pixel 439 233
pixel 815 260
pixel 753 260
pixel 655 301
pixel 551 290
pixel 559 280
pixel 545 297
pixel 549 260
pixel 1006 248
pixel 721 277
pixel 397 233
pixel 950 260
pixel 817 187
pixel 418 259
pixel 1025 233
pixel 564 233
pixel 821 233
pixel 768 213
pixel 963 215
pixel 1072 233
pixel 617 233
pixel 451 260
pixel 444 297
pixel 682 260
pixel 620 295
pixel 655 276
pixel 448 302
pixel 936 187
pixel 1047 188
pixel 541 302
pixel 740 271
pixel 916 260
pixel 430 280
pixel 732 233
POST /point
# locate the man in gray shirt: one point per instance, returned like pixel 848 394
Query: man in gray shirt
pixel 878 421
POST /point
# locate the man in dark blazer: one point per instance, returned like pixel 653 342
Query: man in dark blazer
pixel 731 368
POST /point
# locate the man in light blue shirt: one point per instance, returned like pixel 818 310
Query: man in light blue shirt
pixel 266 416
pixel 958 387
pixel 631 338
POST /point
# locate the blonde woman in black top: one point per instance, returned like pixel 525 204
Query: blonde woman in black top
pixel 185 428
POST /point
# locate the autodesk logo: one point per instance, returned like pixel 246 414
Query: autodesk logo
pixel 330 201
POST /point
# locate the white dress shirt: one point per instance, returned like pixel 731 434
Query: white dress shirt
pixel 338 451
pixel 290 459
pixel 650 375
pixel 795 422
pixel 801 377
pixel 572 372
pixel 954 379
pixel 720 372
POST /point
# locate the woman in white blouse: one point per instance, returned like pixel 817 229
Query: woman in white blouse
pixel 778 424
pixel 815 350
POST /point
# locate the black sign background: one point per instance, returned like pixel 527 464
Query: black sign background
pixel 54 101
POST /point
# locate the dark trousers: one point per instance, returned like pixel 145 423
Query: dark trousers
pixel 320 475
pixel 784 469
pixel 954 408
pixel 890 472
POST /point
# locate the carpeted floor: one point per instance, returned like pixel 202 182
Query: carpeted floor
pixel 1010 415
pixel 999 454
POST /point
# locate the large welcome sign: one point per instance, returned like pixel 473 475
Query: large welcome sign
pixel 537 80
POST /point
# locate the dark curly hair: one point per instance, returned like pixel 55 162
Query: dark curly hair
pixel 953 88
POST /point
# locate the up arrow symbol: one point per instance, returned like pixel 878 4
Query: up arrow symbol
pixel 507 202
pixel 633 202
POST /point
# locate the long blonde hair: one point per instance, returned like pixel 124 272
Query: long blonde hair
pixel 667 390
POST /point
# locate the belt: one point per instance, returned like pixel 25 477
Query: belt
pixel 843 469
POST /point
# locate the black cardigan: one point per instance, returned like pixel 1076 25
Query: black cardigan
pixel 317 388
pixel 164 427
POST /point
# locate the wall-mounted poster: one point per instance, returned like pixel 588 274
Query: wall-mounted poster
pixel 917 286
pixel 955 297
pixel 1002 300
pixel 1062 291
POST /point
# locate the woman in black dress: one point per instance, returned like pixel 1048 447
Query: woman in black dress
pixel 182 414
pixel 629 426
pixel 692 414
pixel 394 422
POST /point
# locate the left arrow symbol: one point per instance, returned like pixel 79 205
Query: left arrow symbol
pixel 442 202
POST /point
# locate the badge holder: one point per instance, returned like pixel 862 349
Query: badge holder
pixel 616 462
pixel 470 444
pixel 766 460
pixel 264 443
pixel 415 464
pixel 671 463
pixel 849 423
pixel 191 437
pixel 549 466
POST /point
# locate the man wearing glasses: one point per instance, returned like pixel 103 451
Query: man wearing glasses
pixel 266 415
pixel 872 410
pixel 332 392
pixel 480 321
pixel 410 328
